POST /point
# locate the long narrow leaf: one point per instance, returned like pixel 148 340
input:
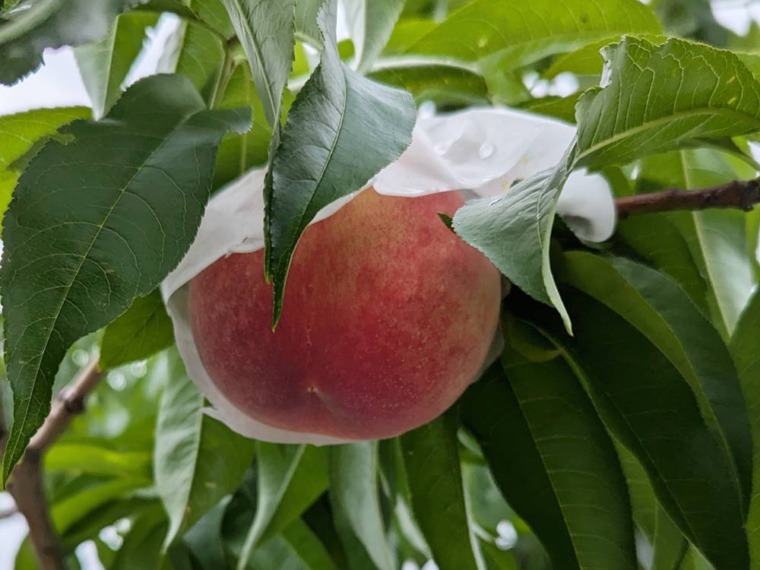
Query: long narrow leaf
pixel 431 458
pixel 554 461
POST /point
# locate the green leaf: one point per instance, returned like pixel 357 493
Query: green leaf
pixel 319 518
pixel 104 65
pixel 514 232
pixel 355 501
pixel 588 60
pixel 306 22
pixel 297 548
pixel 124 211
pixel 265 30
pixel 239 152
pixel 553 461
pixel 662 312
pixel 718 243
pixel 78 506
pixel 142 544
pixel 716 239
pixel 562 108
pixel 337 117
pixel 651 409
pixel 137 334
pixel 197 460
pixel 670 545
pixel 204 539
pixel 745 346
pixel 516 33
pixel 431 457
pixel 656 97
pixel 370 23
pixel 22 134
pixel 213 13
pixel 497 558
pixel 96 458
pixel 643 501
pixel 51 23
pixel 428 79
pixel 91 523
pixel 308 547
pixel 656 239
pixel 407 32
pixel 290 479
pixel 193 50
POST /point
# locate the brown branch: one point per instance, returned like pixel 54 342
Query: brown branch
pixel 26 484
pixel 740 194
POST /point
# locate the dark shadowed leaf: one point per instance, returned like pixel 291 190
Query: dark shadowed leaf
pixel 670 545
pixel 104 65
pixel 656 239
pixel 337 117
pixel 745 346
pixel 651 409
pixel 290 478
pixel 567 483
pixel 716 239
pixel 656 97
pixel 662 312
pixel 319 518
pixel 124 210
pixel 356 507
pixel 307 546
pixel 142 544
pixel 89 497
pixel 54 23
pixel 431 458
pixel 137 334
pixel 643 501
pixel 89 526
pixel 197 460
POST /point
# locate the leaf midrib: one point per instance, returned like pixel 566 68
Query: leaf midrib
pixel 284 261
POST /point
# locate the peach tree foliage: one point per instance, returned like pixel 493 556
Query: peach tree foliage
pixel 623 409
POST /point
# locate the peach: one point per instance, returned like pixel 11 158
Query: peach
pixel 388 316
